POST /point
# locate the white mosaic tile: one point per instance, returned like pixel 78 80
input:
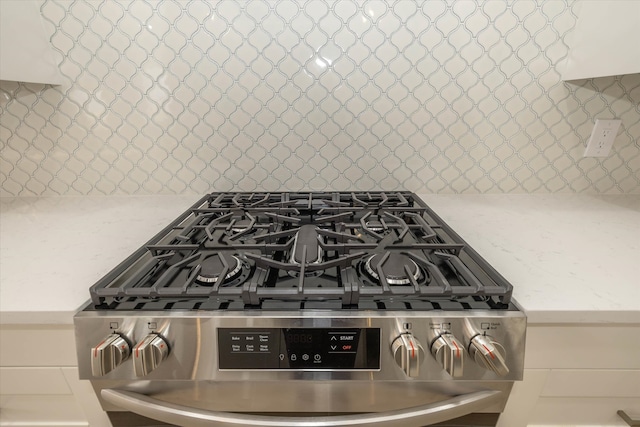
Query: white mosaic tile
pixel 169 96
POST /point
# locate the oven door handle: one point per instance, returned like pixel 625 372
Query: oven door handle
pixel 185 416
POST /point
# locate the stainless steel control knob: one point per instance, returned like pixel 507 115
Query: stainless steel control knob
pixel 488 354
pixel 149 353
pixel 408 353
pixel 109 354
pixel 449 352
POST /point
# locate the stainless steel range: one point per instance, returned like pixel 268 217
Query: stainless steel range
pixel 303 309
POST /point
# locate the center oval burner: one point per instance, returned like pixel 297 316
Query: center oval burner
pixel 307 236
pixel 393 268
pixel 212 267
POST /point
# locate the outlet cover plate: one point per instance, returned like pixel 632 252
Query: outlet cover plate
pixel 602 137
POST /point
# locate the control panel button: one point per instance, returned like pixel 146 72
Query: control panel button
pixel 299 348
pixel 109 354
pixel 149 353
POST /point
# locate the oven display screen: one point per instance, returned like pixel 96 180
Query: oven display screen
pixel 299 348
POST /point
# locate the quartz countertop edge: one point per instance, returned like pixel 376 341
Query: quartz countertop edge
pixel 572 258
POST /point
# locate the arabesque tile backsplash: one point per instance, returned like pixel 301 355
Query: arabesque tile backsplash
pixel 439 96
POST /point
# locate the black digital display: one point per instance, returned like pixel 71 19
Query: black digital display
pixel 299 348
pixel 297 338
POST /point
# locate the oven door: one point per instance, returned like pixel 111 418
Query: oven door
pixel 304 403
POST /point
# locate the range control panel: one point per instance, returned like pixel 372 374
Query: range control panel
pixel 387 347
pixel 299 348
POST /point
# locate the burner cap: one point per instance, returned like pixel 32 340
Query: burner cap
pixel 393 268
pixel 212 268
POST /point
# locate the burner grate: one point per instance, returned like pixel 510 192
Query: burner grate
pixel 309 250
pixel 280 305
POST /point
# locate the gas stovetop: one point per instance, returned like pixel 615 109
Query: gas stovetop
pixel 313 250
pixel 320 285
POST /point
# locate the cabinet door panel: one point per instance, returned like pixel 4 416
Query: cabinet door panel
pixel 41 411
pixel 583 347
pixel 604 41
pixel 25 51
pixel 592 383
pixel 579 411
pixel 37 345
pixel 22 381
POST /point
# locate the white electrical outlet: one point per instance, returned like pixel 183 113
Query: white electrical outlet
pixel 602 136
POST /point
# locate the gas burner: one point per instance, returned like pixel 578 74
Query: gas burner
pixel 212 267
pixel 393 268
pixel 306 237
pixel 375 226
pixel 240 225
pixel 315 273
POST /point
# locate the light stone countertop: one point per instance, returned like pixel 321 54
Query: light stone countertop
pixel 572 259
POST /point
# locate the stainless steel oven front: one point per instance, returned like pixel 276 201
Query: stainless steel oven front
pixel 301 368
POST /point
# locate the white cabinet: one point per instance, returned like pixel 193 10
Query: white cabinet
pixel 605 40
pixel 26 54
pixel 577 375
pixel 39 383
